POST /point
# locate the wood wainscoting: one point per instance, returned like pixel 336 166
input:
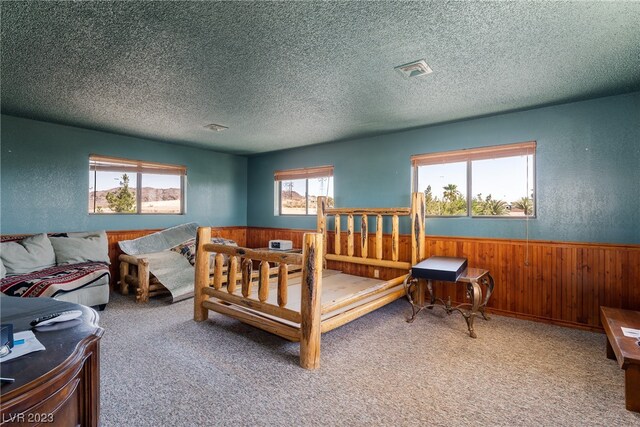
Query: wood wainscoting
pixel 562 283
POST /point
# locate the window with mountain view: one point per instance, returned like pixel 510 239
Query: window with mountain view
pixel 122 186
pixel 299 189
pixel 493 181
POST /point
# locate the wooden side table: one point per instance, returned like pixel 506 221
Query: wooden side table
pixel 473 278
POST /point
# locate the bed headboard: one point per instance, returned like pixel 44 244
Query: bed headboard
pixel 416 214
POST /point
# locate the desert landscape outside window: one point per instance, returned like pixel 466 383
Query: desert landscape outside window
pixel 123 186
pixel 299 189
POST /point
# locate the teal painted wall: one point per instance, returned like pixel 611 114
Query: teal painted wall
pixel 588 171
pixel 588 174
pixel 45 175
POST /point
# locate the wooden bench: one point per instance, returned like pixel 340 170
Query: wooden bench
pixel 625 350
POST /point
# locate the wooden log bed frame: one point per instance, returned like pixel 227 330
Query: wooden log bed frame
pixel 296 303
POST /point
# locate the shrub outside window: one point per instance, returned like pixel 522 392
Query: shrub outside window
pixel 299 189
pixel 445 188
pixel 497 181
pixel 123 186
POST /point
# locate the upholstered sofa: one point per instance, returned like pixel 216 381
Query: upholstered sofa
pixel 71 267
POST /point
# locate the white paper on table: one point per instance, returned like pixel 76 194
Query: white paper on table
pixel 30 345
pixel 629 332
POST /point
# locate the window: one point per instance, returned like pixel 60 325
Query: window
pixel 121 186
pixel 299 189
pixel 481 182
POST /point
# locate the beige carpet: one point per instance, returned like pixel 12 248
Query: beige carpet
pixel 160 368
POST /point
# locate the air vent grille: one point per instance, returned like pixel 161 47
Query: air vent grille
pixel 215 127
pixel 414 69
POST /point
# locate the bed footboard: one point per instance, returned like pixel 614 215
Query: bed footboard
pixel 259 312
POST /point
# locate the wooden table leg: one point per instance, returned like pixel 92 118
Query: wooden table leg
pixel 143 281
pixel 632 388
pixel 124 272
pixel 432 297
pixel 610 353
pixel 420 293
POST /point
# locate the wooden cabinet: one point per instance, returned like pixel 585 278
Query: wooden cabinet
pixel 59 386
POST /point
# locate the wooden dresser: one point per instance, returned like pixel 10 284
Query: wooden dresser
pixel 59 386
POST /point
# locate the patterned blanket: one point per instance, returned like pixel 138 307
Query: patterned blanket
pixel 54 280
pixel 188 249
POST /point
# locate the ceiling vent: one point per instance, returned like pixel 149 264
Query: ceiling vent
pixel 216 128
pixel 414 69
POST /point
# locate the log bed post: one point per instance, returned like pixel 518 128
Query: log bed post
pixel 364 236
pixel 395 238
pixel 379 236
pixel 232 274
pixel 201 275
pixel 247 272
pixel 321 206
pixel 417 242
pixel 263 282
pixel 217 271
pixel 310 306
pixel 283 277
pixel 336 248
pixel 350 235
pixel 417 228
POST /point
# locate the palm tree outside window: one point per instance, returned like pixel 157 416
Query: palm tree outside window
pixel 501 177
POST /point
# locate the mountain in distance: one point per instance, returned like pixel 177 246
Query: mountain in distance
pixel 149 194
pixel 291 195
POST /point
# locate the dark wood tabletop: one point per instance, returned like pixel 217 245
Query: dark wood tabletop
pixel 626 348
pixel 69 365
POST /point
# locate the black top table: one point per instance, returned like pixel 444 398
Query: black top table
pixel 449 269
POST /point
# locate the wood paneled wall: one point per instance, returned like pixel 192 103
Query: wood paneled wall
pixel 557 282
pixel 560 282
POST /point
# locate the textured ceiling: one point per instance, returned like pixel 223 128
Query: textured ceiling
pixel 287 74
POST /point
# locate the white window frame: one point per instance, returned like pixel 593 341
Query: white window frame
pixel 297 174
pixel 137 168
pixel 469 156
